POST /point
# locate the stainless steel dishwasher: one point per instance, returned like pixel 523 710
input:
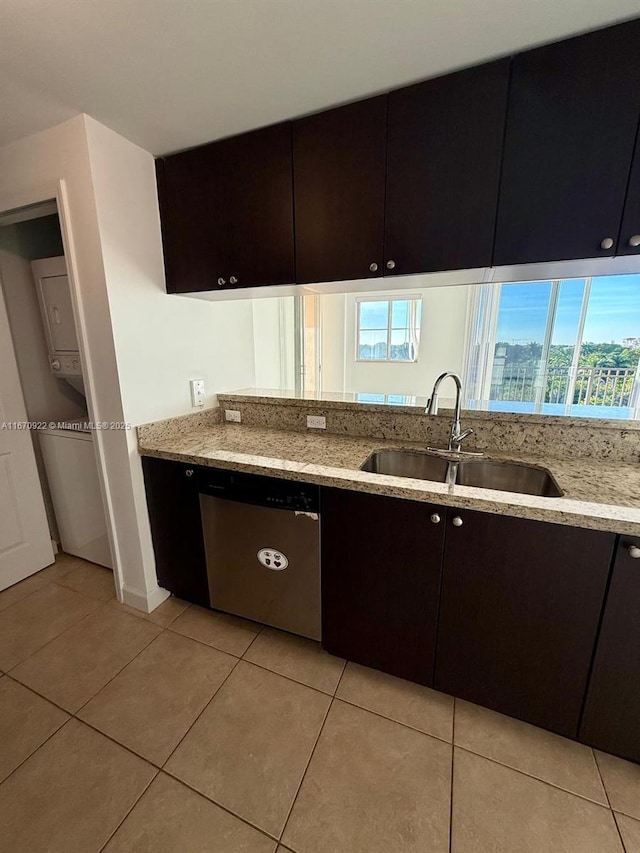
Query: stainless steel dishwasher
pixel 262 543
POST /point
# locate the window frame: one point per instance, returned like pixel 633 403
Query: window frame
pixel 411 297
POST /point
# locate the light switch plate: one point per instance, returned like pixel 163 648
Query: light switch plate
pixel 233 415
pixel 197 393
pixel 316 422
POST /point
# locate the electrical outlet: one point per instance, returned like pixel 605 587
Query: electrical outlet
pixel 316 422
pixel 233 415
pixel 197 393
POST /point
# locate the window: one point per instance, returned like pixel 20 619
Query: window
pixel 388 329
pixel 567 347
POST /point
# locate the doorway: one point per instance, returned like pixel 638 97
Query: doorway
pixel 50 463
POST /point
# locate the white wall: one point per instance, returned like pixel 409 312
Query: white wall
pixel 161 341
pixel 273 342
pixel 442 340
pixel 141 346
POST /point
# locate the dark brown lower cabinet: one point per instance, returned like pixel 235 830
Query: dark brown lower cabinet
pixel 176 528
pixel 612 711
pixel 381 565
pixel 520 607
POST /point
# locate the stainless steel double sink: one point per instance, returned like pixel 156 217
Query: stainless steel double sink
pixel 481 473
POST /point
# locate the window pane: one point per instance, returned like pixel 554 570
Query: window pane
pixel 374 315
pixel 400 345
pixel 518 371
pixel 563 344
pixel 372 345
pixel 369 398
pixel 399 314
pixel 610 349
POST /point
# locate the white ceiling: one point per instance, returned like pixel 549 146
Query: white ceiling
pixel 168 74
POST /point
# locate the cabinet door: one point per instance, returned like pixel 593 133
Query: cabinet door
pixel 339 169
pixel 176 528
pixel 519 614
pixel 629 241
pixel 259 207
pixel 571 125
pixel 192 211
pixel 381 565
pixel 612 710
pixel 443 169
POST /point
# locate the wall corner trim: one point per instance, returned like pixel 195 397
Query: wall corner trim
pixel 144 601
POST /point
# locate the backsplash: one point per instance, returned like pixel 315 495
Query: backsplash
pixel 176 426
pixel 531 435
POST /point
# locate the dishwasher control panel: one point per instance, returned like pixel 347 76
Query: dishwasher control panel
pixel 255 489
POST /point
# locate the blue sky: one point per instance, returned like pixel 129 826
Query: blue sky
pixel 613 312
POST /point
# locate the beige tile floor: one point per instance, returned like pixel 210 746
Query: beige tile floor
pixel 185 731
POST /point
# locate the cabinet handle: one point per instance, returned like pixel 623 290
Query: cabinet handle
pixel 456 521
pixel 373 267
pixel 634 551
pixel 634 241
pixel 391 265
pixel 189 472
pixel 435 518
pixel 221 281
pixel 607 243
pixel 233 279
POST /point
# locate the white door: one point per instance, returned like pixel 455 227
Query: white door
pixel 25 541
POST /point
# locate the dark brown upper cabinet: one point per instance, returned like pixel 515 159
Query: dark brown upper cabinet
pixel 339 183
pixel 629 240
pixel 227 213
pixel 571 126
pixel 519 612
pixel 612 709
pixel 444 154
pixel 194 226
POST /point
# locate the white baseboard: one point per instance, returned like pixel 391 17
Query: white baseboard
pixel 144 601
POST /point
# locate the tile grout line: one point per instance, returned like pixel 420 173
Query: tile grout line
pixel 215 693
pixel 246 651
pixel 128 663
pixel 33 592
pixel 606 793
pixel 219 805
pixel 288 678
pixel 535 778
pixel 72 716
pixel 306 769
pixel 453 757
pixel 133 805
pixel 615 820
pixel 26 758
pixel 392 719
pixel 202 642
pixel 73 625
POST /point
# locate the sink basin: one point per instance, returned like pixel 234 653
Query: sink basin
pixel 481 473
pixel 407 463
pixel 508 477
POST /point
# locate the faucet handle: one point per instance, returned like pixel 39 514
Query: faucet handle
pixel 461 436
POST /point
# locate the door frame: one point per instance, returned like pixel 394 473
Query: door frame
pixel 58 192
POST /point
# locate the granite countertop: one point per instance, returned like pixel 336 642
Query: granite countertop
pixel 597 495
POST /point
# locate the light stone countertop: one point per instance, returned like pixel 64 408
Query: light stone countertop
pixel 597 495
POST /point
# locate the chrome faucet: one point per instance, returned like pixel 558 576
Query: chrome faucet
pixel 455 436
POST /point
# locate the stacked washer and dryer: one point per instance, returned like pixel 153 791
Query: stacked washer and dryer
pixel 68 452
